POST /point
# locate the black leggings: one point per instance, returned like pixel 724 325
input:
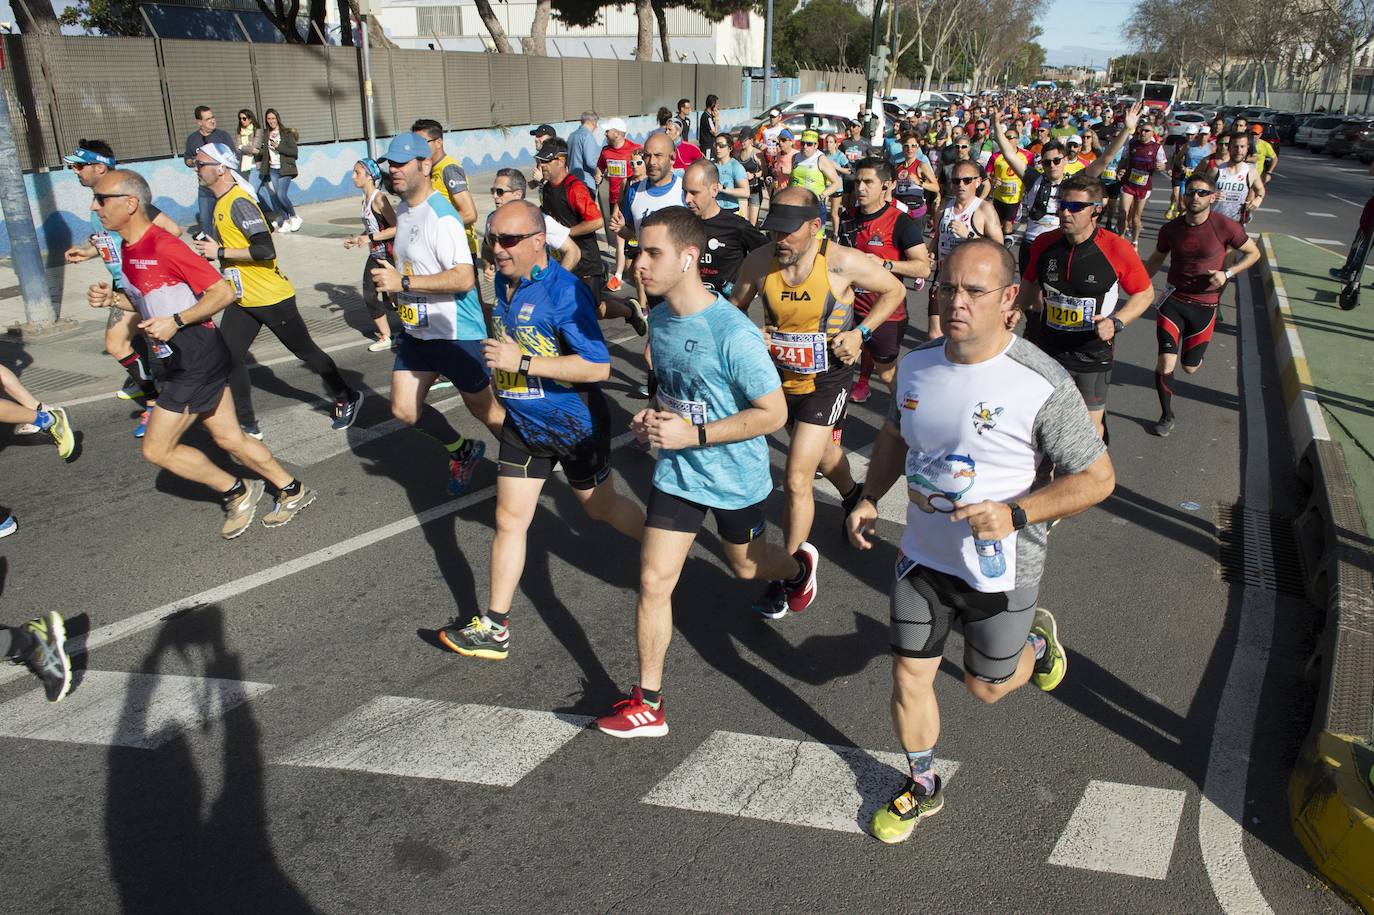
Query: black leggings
pixel 376 306
pixel 240 328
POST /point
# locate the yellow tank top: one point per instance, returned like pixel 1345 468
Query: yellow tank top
pixel 806 317
pixel 1006 186
pixel 257 282
pixel 442 188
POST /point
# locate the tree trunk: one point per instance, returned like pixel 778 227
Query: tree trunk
pixel 536 44
pixel 925 80
pixel 36 17
pixel 662 16
pixel 316 15
pixel 644 37
pixel 345 24
pixel 376 35
pixel 1349 80
pixel 499 38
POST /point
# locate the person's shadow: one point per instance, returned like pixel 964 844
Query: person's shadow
pixel 169 851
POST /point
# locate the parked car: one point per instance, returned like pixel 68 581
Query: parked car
pixel 1364 149
pixel 1342 139
pixel 1287 124
pixel 796 121
pixel 1314 133
pixel 1259 112
pixel 839 104
pixel 1177 125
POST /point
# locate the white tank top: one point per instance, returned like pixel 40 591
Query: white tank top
pixel 371 226
pixel 1233 187
pixel 948 240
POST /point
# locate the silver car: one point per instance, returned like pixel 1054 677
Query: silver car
pixel 1317 131
pixel 1177 125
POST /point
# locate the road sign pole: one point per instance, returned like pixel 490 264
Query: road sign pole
pixel 873 42
pixel 369 114
pixel 14 200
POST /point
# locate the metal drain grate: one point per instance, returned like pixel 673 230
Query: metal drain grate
pixel 53 381
pixel 1259 549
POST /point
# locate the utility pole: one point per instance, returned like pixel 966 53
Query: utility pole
pixel 369 114
pixel 877 56
pixel 14 200
pixel 768 56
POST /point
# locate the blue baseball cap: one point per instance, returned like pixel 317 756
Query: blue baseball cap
pixel 406 147
pixel 84 156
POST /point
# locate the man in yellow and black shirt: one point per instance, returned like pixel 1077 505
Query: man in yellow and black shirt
pixel 449 179
pixel 248 259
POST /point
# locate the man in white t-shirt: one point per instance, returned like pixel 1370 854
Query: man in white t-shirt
pixel 511 184
pixel 435 285
pixel 974 414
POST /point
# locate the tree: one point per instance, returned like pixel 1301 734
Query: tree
pixel 36 17
pixel 106 17
pixel 539 29
pixel 824 33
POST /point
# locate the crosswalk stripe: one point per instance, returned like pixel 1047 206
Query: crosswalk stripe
pixel 127 710
pixel 801 783
pixel 1122 829
pixel 426 738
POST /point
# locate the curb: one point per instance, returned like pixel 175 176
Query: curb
pixel 1331 791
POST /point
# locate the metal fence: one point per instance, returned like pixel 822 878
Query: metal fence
pixel 139 94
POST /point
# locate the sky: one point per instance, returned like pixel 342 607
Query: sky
pixel 1075 31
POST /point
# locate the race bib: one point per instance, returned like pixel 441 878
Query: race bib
pixel 413 310
pixel 1164 295
pixel 1109 173
pixel 106 245
pixel 1008 188
pixel 616 168
pixel 160 350
pixel 235 278
pixel 1139 179
pixel 805 354
pixel 693 411
pixel 515 386
pixel 1066 312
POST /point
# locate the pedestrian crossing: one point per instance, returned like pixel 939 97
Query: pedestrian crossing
pixel 1115 828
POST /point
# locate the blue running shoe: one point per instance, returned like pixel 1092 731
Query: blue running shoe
pixel 8 526
pixel 462 464
pixel 142 428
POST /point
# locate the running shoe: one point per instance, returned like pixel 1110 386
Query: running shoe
pixel 285 507
pixel 132 390
pixel 801 597
pixel 633 717
pixel 284 226
pixel 462 465
pixel 380 345
pixel 896 821
pixel 8 526
pixel 1049 670
pixel 61 431
pixel 1163 427
pixel 639 318
pixel 141 429
pixel 239 512
pixel 345 412
pixel 296 223
pixel 860 392
pixel 773 604
pixel 614 283
pixel 251 430
pixel 26 429
pixel 48 657
pixel 478 639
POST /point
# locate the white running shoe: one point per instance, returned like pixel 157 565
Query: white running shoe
pixel 295 223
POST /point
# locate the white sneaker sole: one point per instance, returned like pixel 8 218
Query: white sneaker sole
pixel 648 730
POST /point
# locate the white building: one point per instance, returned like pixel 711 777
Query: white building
pixel 455 26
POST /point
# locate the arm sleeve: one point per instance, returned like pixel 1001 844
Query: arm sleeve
pixel 1130 270
pixel 1064 433
pixel 248 219
pixel 192 269
pixel 455 179
pixel 579 328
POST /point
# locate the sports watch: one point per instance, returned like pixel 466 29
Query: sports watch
pixel 1018 516
pixel 1118 324
pixel 405 283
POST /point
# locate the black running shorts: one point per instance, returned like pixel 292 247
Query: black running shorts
pixel 668 512
pixel 1185 328
pixel 586 465
pixel 825 406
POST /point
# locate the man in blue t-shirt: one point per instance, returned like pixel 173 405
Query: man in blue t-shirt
pixel 718 396
pixel 547 361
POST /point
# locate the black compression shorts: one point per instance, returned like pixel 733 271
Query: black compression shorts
pixel 668 512
pixel 1185 328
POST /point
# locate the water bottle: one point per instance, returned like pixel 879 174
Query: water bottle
pixel 991 562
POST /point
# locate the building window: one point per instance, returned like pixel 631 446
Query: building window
pixel 443 21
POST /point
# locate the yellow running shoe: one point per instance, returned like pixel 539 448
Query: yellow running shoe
pixel 896 821
pixel 1049 670
pixel 61 431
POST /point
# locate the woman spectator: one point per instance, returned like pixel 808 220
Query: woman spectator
pixel 249 140
pixel 754 166
pixel 277 163
pixel 734 180
pixel 708 127
pixel 379 228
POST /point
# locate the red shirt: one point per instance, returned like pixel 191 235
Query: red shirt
pixel 615 165
pixel 165 276
pixel 686 154
pixel 1195 252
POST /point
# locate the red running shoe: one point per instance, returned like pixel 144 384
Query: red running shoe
pixel 859 393
pixel 633 717
pixel 802 596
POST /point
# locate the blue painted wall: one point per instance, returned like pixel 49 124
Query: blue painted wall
pixel 61 206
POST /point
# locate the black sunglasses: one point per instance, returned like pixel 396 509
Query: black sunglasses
pixel 508 240
pixel 502 191
pixel 1052 161
pixel 966 179
pixel 101 198
pixel 1076 206
pixel 1198 192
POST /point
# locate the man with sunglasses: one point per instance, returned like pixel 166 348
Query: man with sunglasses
pixel 975 415
pixel 509 186
pixel 93 160
pixel 548 359
pixel 962 217
pixel 960 150
pixel 443 325
pixel 1197 245
pixel 807 285
pixel 1073 289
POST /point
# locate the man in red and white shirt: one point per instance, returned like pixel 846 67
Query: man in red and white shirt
pixel 178 294
pixel 613 166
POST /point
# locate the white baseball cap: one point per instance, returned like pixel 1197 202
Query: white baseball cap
pixel 615 124
pixel 1191 130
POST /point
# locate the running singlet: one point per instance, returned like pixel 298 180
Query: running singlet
pixel 1081 283
pixel 729 240
pixel 709 366
pixel 550 315
pixel 1193 156
pixel 643 198
pixel 948 217
pixel 770 139
pixel 372 224
pixel 805 316
pixel 908 188
pixel 238 219
pixel 1195 252
pixel 886 234
pixel 1233 190
pixel 430 238
pixel 976 432
pixel 1006 186
pixel 1142 160
pixel 615 165
pixel 163 277
pixel 807 173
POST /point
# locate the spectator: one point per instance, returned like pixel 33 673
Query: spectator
pixel 583 151
pixel 277 163
pixel 540 134
pixel 248 146
pixel 207 131
pixel 709 125
pixel 613 166
pixel 684 118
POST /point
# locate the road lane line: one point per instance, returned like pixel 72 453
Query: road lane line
pixel 1268 210
pixel 1221 809
pixel 1343 200
pixel 1122 829
pixel 1322 215
pixel 1324 241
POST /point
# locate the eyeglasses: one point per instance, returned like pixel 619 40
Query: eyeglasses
pixel 1052 161
pixel 502 191
pixel 197 165
pixel 965 179
pixel 1198 192
pixel 948 292
pixel 101 198
pixel 1077 206
pixel 508 241
pixel 912 146
pixel 961 146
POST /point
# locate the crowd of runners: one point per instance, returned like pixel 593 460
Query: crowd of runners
pixel 1017 223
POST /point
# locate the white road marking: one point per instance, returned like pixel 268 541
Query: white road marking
pixel 1122 829
pixel 1325 241
pixel 1221 811
pixel 800 783
pixel 137 623
pixel 127 710
pixel 421 738
pixel 1344 200
pixel 300 434
pixel 1323 215
pixel 1268 210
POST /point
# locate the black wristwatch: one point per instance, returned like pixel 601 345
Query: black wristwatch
pixel 405 283
pixel 701 436
pixel 1119 324
pixel 177 318
pixel 525 364
pixel 1018 516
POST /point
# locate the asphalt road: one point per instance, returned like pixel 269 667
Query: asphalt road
pixel 266 725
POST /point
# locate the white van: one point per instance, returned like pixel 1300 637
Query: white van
pixel 841 104
pixel 913 97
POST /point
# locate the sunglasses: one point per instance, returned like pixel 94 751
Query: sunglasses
pixel 1052 161
pixel 508 240
pixel 101 198
pixel 915 146
pixel 637 163
pixel 966 179
pixel 1077 206
pixel 502 191
pixel 808 142
pixel 1198 192
pixel 961 146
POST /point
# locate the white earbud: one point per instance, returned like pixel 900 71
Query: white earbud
pixel 686 263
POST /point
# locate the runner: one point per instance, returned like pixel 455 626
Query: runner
pixel 22 408
pixel 509 186
pixel 1197 245
pixel 1266 157
pixel 807 285
pixel 981 396
pixel 915 179
pixel 684 152
pixel 734 179
pixel 448 177
pixel 1144 156
pixel 243 246
pixel 629 247
pixel 1240 191
pixel 754 167
pixel 1351 272
pixel 963 216
pixel 92 160
pixel 41 646
pixel 379 228
pixel 613 168
pixel 1188 158
pixel 780 164
pixel 729 239
pixel 813 171
pixel 882 231
pixel 830 146
pixel 178 295
pixel 1007 186
pixel 715 373
pixel 1072 289
pixel 442 321
pixel 548 359
pixel 769 134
